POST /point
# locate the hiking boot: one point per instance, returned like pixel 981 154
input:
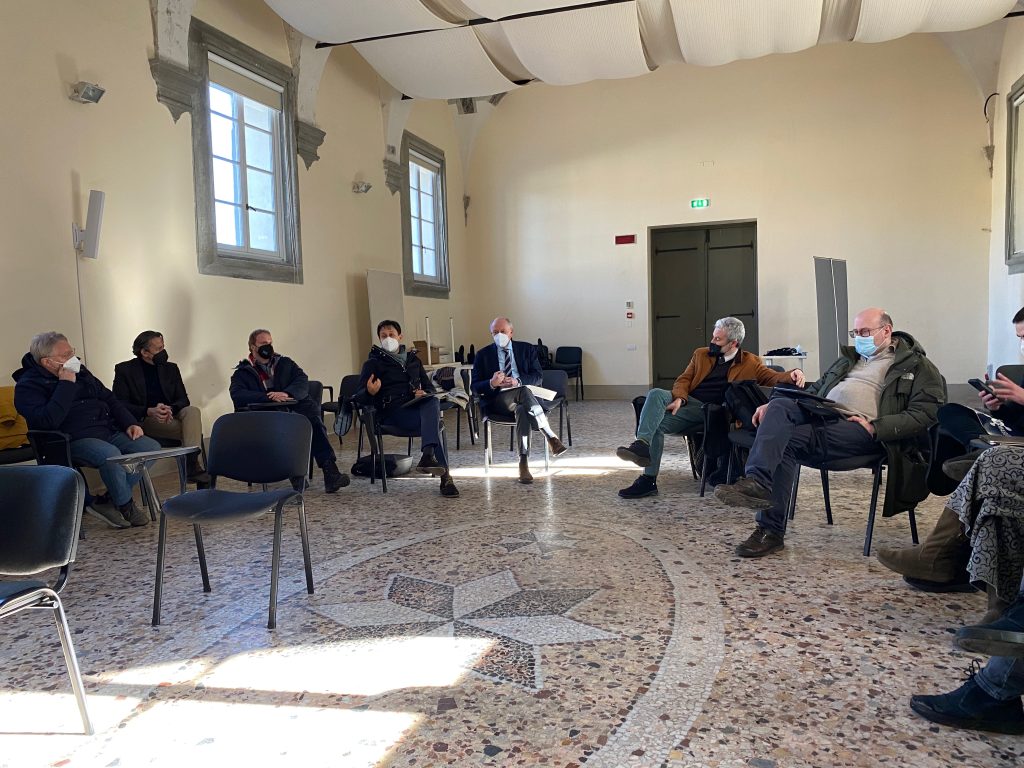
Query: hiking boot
pixel 760 543
pixel 940 558
pixel 334 478
pixel 108 515
pixel 645 485
pixel 448 489
pixel 637 452
pixel 524 471
pixel 1002 637
pixel 970 707
pixel 135 516
pixel 556 446
pixel 428 464
pixel 745 492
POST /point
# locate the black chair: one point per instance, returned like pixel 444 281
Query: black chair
pixel 558 382
pixel 1013 372
pixel 251 447
pixel 445 379
pixel 716 443
pixel 570 360
pixel 375 432
pixel 505 420
pixel 694 441
pixel 41 516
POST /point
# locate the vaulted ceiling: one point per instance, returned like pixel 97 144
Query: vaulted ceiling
pixel 456 49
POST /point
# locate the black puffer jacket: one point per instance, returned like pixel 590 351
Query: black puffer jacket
pixel 246 387
pixel 81 408
pixel 398 379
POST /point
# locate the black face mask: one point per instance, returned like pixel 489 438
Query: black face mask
pixel 266 351
pixel 714 350
pixel 160 357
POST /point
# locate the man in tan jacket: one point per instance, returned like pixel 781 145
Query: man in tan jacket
pixel 678 412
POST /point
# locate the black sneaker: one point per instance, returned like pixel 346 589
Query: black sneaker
pixel 298 484
pixel 970 707
pixel 760 543
pixel 637 452
pixel 334 479
pixel 448 489
pixel 745 492
pixel 428 465
pixel 645 485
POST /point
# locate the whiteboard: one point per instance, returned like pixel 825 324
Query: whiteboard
pixel 385 293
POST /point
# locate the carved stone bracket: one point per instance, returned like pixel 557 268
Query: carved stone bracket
pixel 175 86
pixel 394 175
pixel 308 139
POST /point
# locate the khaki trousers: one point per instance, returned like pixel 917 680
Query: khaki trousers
pixel 186 426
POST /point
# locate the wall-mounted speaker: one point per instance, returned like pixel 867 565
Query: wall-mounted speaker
pixel 87 241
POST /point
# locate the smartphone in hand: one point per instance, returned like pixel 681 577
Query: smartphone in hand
pixel 981 386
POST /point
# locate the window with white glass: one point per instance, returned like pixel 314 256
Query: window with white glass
pixel 244 155
pixel 424 230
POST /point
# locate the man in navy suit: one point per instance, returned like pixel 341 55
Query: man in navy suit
pixel 500 375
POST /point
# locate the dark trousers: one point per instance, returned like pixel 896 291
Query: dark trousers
pixel 529 413
pixel 323 453
pixel 423 419
pixel 784 438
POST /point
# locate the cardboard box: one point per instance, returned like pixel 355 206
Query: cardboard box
pixel 421 350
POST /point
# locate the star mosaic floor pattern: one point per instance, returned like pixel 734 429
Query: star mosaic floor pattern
pixel 554 624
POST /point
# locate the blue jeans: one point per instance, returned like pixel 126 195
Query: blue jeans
pixel 1003 677
pixel 93 452
pixel 784 437
pixel 424 418
pixel 656 422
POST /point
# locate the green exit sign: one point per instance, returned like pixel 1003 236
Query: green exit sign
pixel 700 202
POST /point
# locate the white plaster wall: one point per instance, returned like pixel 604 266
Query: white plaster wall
pixel 869 153
pixel 54 151
pixel 1006 291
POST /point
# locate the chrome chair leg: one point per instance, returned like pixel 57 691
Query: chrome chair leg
pixel 71 660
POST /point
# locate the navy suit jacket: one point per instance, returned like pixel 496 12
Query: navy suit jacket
pixel 486 365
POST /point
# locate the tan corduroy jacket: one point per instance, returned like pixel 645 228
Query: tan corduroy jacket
pixel 745 366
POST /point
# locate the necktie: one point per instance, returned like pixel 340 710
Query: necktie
pixel 508 360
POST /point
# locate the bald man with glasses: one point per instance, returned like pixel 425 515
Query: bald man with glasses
pixel 887 394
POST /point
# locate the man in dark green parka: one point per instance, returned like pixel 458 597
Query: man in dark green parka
pixel 888 394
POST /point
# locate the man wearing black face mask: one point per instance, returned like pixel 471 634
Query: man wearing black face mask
pixel 267 377
pixel 152 390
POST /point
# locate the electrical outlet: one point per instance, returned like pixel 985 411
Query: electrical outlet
pixel 631 347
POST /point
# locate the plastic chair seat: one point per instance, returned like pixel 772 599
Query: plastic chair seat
pixel 210 505
pixel 13 590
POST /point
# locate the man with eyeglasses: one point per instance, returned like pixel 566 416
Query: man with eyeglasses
pixel 887 394
pixel 55 391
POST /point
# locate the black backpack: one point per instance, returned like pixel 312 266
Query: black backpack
pixel 544 355
pixel 743 398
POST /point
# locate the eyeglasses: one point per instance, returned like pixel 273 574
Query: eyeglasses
pixel 57 359
pixel 865 332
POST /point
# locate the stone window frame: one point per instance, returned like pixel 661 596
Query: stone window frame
pixel 440 289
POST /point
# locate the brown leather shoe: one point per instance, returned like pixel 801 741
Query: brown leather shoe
pixel 556 446
pixel 524 471
pixel 760 543
pixel 745 492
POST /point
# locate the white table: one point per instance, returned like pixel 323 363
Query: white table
pixel 769 359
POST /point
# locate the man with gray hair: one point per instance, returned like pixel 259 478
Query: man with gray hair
pixel 711 370
pixel 55 391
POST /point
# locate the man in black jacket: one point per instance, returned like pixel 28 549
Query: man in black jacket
pixel 151 388
pixel 267 377
pixel 54 391
pixel 501 373
pixel 394 381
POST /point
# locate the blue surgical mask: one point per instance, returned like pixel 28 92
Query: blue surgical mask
pixel 865 345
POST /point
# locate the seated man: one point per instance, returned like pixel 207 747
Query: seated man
pixel 938 564
pixel 55 391
pixel 267 377
pixel 501 372
pixel 678 412
pixel 394 376
pixel 151 388
pixel 887 392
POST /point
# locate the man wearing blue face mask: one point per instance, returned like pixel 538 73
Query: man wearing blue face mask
pixel 54 391
pixel 501 372
pixel 887 394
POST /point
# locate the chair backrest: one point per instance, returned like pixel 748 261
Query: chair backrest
pixel 569 355
pixel 316 391
pixel 543 354
pixel 349 385
pixel 555 380
pixel 49 447
pixel 445 378
pixel 1014 373
pixel 260 446
pixel 40 516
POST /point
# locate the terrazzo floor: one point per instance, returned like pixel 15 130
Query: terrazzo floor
pixel 552 624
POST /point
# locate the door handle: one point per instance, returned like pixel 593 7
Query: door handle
pixel 742 314
pixel 665 317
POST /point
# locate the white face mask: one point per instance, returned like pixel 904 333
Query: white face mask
pixel 73 364
pixel 502 339
pixel 1022 346
pixel 390 344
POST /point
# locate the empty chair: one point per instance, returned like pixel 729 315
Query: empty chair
pixel 41 515
pixel 570 360
pixel 252 447
pixel 558 382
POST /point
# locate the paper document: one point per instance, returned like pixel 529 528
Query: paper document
pixel 543 394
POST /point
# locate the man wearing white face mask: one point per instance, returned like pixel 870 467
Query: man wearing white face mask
pixel 887 393
pixel 54 391
pixel 500 373
pixel 391 379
